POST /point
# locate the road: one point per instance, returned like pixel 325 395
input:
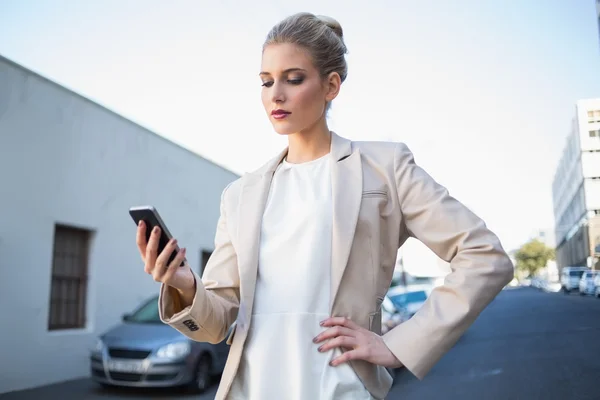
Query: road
pixel 527 344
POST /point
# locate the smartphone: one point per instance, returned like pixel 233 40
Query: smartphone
pixel 152 218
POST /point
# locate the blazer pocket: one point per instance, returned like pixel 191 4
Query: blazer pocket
pixel 374 193
pixel 231 333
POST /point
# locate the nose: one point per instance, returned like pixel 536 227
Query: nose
pixel 277 93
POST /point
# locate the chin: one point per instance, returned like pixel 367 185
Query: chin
pixel 284 129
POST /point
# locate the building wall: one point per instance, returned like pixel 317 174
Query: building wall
pixel 575 250
pixel 576 186
pixel 64 159
pixel 567 188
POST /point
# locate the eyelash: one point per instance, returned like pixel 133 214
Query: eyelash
pixel 291 81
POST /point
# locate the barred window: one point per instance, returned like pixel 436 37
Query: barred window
pixel 68 291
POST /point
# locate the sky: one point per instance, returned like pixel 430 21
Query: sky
pixel 482 92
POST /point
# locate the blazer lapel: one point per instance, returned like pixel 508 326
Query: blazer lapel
pixel 346 180
pixel 253 199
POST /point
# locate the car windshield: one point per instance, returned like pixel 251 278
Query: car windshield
pixel 147 313
pixel 576 273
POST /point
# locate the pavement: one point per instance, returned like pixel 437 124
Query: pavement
pixel 528 344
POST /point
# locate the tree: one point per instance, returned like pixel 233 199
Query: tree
pixel 533 256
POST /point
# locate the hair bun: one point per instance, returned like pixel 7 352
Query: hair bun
pixel 333 24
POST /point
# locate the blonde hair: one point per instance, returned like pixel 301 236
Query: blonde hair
pixel 321 36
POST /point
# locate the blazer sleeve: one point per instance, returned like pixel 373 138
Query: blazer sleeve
pixel 480 267
pixel 215 305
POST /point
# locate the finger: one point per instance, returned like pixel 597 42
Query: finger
pixel 172 269
pixel 347 356
pixel 341 321
pixel 140 239
pixel 347 342
pixel 152 247
pixel 162 261
pixel 334 332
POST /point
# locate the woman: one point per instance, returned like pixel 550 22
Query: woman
pixel 306 246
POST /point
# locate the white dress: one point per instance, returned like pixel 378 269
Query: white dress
pixel 280 360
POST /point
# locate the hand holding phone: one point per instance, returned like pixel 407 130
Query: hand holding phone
pixel 163 259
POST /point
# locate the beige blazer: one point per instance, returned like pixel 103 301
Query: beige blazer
pixel 381 197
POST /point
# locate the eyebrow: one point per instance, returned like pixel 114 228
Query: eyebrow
pixel 287 71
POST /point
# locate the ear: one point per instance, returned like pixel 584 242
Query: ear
pixel 333 82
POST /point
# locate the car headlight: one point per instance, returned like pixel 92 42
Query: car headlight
pixel 174 350
pixel 98 346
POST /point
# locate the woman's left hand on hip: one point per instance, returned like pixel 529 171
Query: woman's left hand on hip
pixel 361 343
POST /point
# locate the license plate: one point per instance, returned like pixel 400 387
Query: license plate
pixel 126 366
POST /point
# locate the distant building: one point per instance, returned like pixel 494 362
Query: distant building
pixel 576 189
pixel 546 236
pixel 69 171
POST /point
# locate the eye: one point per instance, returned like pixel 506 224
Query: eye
pixel 296 81
pixel 267 84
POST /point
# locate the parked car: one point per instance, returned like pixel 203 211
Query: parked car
pixel 391 316
pixel 586 283
pixel 142 351
pixel 570 277
pixel 597 285
pixel 409 299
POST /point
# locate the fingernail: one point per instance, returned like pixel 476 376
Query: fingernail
pixel 183 251
pixel 320 348
pixel 322 323
pixel 331 363
pixel 155 230
pixel 315 339
pixel 140 223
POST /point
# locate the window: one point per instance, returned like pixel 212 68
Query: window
pixel 68 288
pixel 204 256
pixel 594 133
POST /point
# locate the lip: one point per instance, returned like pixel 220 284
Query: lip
pixel 280 114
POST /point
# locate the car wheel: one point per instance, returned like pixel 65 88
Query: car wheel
pixel 202 374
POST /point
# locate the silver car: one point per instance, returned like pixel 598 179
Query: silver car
pixel 586 283
pixel 144 352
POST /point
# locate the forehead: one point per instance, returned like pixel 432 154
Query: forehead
pixel 279 57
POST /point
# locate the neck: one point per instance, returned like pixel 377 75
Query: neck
pixel 310 144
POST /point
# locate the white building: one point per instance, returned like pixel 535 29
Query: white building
pixel 576 189
pixel 546 236
pixel 69 171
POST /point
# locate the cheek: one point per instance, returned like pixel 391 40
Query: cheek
pixel 307 98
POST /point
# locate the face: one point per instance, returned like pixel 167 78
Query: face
pixel 293 92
